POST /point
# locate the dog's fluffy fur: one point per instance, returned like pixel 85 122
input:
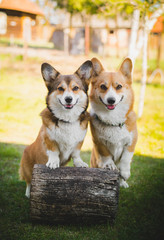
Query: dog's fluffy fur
pixel 65 122
pixel 113 121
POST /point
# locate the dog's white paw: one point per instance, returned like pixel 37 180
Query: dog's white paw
pixel 27 193
pixel 110 165
pixel 53 159
pixel 52 164
pixel 123 183
pixel 124 170
pixel 80 163
pixel 125 174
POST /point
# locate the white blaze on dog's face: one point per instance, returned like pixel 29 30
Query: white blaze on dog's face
pixel 111 92
pixel 67 97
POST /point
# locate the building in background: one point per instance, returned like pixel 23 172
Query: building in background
pixel 106 36
pixel 25 19
pixel 19 19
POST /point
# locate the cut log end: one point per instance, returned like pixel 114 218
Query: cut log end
pixel 74 195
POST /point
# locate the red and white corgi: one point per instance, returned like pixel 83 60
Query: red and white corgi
pixel 65 122
pixel 113 121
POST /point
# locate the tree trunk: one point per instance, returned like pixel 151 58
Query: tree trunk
pixel 87 35
pixel 144 70
pixel 159 49
pixel 87 39
pixel 149 25
pixel 116 32
pixel 78 195
pixel 133 35
pixel 70 34
pixel 66 41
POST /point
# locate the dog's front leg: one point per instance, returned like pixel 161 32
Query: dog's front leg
pixel 78 162
pixel 124 167
pixel 53 159
pixel 28 187
pixel 106 162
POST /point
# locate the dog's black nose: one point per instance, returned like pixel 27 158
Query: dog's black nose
pixel 68 99
pixel 111 100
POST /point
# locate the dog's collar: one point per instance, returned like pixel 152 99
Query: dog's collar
pixel 109 124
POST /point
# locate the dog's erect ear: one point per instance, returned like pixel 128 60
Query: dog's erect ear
pixel 85 71
pixel 49 74
pixel 97 66
pixel 126 69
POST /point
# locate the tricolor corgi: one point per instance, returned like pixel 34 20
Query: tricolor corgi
pixel 113 121
pixel 65 122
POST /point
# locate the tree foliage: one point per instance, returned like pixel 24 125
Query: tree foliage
pixel 72 6
pixel 104 8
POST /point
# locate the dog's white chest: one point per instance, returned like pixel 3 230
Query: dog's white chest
pixel 114 138
pixel 67 135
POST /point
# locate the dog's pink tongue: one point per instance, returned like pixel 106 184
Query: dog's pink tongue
pixel 110 107
pixel 69 106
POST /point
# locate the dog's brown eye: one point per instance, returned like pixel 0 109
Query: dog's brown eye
pixel 119 86
pixel 103 87
pixel 61 89
pixel 75 88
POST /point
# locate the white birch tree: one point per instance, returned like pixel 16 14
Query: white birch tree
pixel 134 33
pixel 144 70
pixel 147 27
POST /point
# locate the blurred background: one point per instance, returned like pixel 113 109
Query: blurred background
pixel 65 33
pixel 107 28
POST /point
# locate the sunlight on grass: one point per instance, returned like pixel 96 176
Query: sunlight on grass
pixel 22 98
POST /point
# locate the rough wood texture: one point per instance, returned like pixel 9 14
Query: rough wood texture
pixel 74 195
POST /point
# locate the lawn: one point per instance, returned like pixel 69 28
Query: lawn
pixel 141 206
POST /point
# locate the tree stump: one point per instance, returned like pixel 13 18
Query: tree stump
pixel 74 195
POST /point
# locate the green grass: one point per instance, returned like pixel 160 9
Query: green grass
pixel 141 207
pixel 140 213
pixel 20 43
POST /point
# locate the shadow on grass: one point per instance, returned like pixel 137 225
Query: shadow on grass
pixel 141 207
pixel 140 213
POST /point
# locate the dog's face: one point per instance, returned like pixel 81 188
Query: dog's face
pixel 111 92
pixel 67 94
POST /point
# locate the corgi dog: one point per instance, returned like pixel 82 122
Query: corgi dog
pixel 64 122
pixel 113 121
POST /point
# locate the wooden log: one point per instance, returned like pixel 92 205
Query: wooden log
pixel 73 195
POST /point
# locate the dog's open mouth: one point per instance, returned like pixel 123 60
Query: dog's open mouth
pixel 111 107
pixel 68 106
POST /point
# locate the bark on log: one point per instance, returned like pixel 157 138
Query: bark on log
pixel 75 195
